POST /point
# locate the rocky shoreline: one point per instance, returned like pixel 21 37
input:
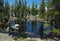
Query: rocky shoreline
pixel 5 37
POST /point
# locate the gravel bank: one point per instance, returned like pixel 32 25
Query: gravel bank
pixel 5 37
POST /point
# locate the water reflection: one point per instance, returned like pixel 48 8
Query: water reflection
pixel 35 27
pixel 29 26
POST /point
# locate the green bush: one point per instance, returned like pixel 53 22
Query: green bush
pixel 46 24
pixel 56 31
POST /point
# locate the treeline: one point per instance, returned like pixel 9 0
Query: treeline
pixel 20 9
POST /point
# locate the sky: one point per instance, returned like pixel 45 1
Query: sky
pixel 29 2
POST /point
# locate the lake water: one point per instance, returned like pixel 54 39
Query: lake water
pixel 34 28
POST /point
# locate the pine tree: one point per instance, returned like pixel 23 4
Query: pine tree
pixel 36 9
pixel 28 10
pixel 23 14
pixel 1 9
pixel 32 9
pixel 42 10
pixel 7 8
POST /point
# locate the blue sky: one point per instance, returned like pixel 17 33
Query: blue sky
pixel 29 2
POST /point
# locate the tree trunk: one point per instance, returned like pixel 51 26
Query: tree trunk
pixel 41 31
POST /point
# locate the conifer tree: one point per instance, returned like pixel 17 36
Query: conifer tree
pixel 42 10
